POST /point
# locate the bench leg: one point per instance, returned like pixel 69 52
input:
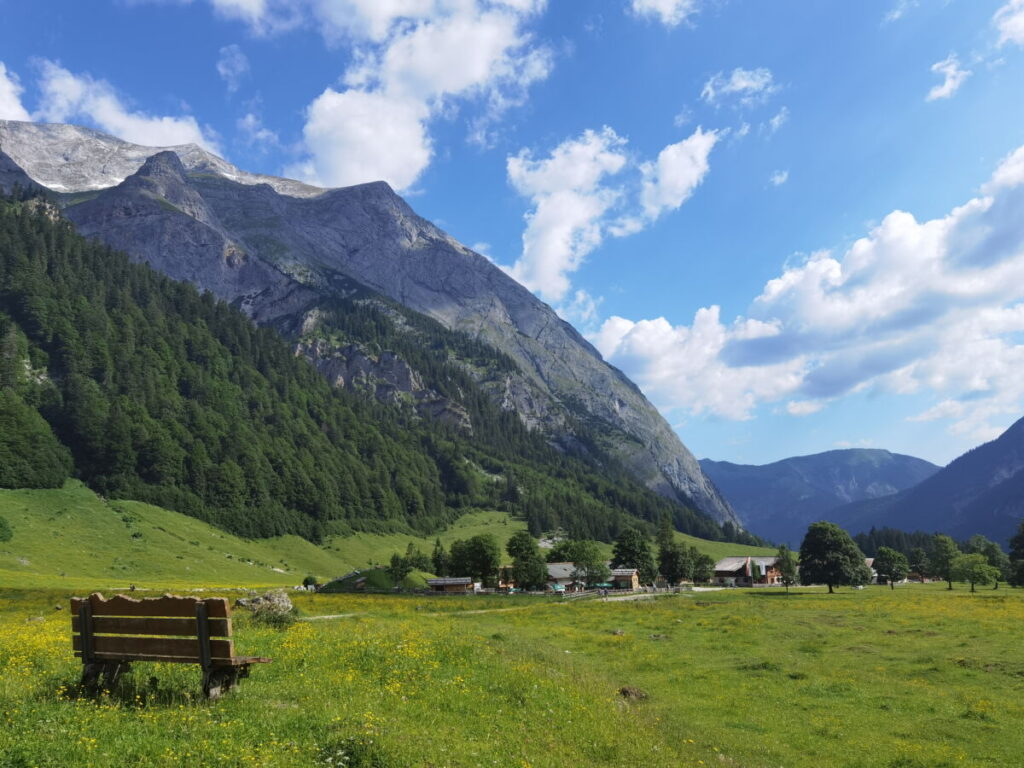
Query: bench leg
pixel 91 676
pixel 219 680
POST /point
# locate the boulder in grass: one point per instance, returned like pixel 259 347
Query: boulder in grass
pixel 275 601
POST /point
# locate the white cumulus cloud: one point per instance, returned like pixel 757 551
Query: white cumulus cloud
pixel 10 96
pixel 671 13
pixel 680 168
pixel 67 96
pixel 779 178
pixel 748 86
pixel 953 76
pixel 1009 20
pixel 570 200
pixel 590 187
pixel 415 60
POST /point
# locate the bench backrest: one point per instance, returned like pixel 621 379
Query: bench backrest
pixel 167 628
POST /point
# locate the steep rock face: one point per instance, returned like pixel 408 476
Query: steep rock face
pixel 779 500
pixel 274 254
pixel 980 492
pixel 385 376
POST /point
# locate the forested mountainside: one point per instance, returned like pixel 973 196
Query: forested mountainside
pixel 278 248
pixel 148 389
pixel 779 500
pixel 979 492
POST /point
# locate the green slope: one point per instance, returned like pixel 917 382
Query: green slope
pixel 70 537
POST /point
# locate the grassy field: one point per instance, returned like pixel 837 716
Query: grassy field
pixel 916 678
pixel 72 538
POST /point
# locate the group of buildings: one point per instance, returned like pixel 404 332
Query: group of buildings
pixel 562 578
pixel 742 571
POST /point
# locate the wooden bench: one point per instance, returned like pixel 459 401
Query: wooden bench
pixel 110 634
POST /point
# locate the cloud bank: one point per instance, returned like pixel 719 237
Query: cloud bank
pixel 932 307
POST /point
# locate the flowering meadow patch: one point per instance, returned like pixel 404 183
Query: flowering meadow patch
pixel 920 677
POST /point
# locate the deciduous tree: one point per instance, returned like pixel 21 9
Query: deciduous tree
pixel 940 559
pixel 829 556
pixel 632 550
pixel 973 569
pixel 891 565
pixel 787 566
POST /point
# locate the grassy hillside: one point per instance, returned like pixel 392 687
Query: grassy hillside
pixel 915 678
pixel 70 537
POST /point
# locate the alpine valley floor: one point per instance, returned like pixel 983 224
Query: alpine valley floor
pixel 919 677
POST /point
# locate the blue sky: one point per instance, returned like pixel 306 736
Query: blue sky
pixel 796 225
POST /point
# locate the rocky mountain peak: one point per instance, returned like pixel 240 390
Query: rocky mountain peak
pixel 254 240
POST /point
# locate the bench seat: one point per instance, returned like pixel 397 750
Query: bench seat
pixel 111 634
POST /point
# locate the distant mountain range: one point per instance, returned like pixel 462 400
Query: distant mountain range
pixel 779 500
pixel 980 492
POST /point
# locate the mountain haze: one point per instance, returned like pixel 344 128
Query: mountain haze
pixel 980 492
pixel 779 500
pixel 281 250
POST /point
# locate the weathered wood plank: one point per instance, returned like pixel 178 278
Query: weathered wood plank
pixel 235 661
pixel 130 625
pixel 104 646
pixel 168 605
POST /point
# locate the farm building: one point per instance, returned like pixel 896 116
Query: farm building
pixel 747 572
pixel 625 578
pixel 452 585
pixel 561 576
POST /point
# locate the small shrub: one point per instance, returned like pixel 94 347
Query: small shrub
pixel 6 534
pixel 275 619
pixel 310 581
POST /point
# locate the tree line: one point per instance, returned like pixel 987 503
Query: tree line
pixel 828 555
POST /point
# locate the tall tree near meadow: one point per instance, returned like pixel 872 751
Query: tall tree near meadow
pixel 891 565
pixel 529 570
pixel 787 567
pixel 919 562
pixel 478 558
pixel 588 563
pixel 675 562
pixel 940 560
pixel 439 559
pixel 993 553
pixel 703 566
pixel 632 550
pixel 829 556
pixel 973 569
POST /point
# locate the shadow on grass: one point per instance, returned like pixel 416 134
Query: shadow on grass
pixel 134 690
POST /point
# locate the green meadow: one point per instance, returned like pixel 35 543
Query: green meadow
pixel 918 677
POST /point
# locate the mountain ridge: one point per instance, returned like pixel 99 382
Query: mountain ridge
pixel 275 255
pixel 779 500
pixel 981 491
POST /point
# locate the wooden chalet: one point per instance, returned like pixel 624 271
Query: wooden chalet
pixel 625 578
pixel 747 572
pixel 458 585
